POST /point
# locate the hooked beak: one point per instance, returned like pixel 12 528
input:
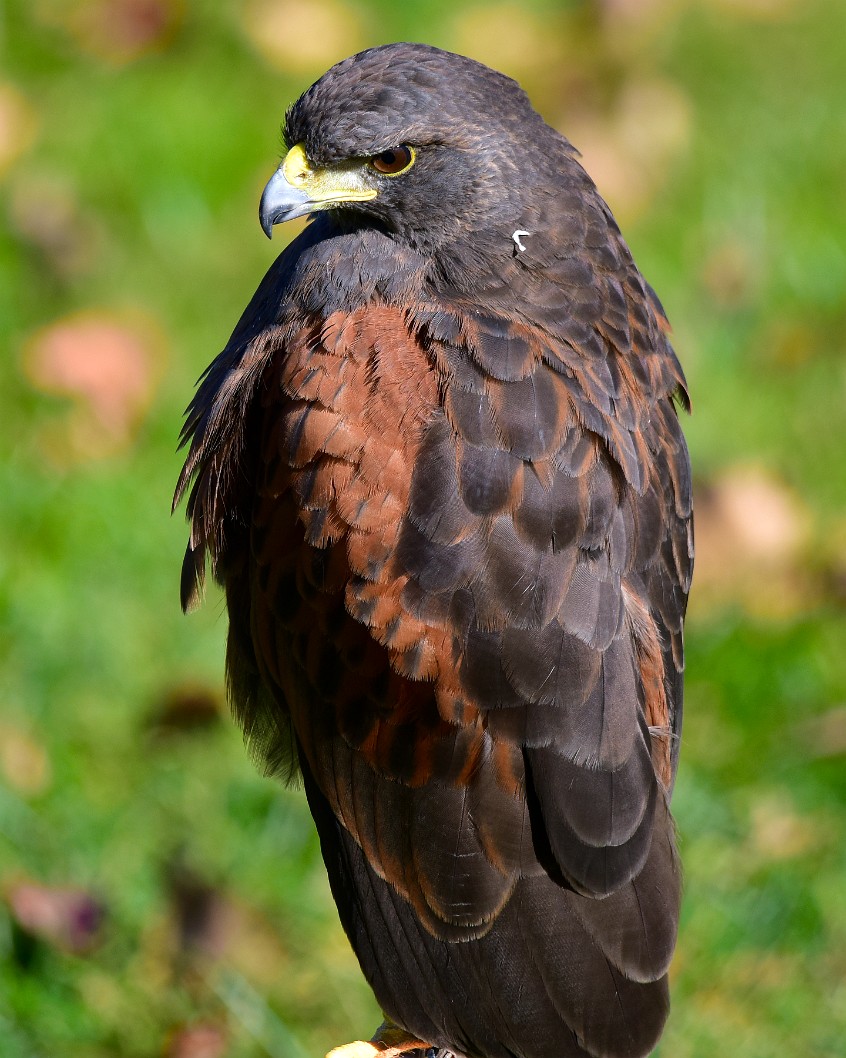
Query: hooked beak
pixel 281 201
pixel 297 188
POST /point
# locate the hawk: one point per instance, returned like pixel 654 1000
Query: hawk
pixel 439 473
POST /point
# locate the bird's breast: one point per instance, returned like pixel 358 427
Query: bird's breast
pixel 345 412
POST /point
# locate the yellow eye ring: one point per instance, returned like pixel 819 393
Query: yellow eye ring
pixel 394 161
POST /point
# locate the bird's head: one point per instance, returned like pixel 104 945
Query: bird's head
pixel 417 141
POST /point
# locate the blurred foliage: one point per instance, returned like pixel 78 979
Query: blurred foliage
pixel 158 896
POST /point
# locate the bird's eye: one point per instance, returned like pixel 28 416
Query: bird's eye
pixel 393 161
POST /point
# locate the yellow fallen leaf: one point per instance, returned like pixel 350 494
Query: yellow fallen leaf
pixel 18 125
pixel 24 762
pixel 303 39
pixel 751 532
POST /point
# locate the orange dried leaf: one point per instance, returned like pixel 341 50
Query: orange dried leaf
pixel 107 365
pixel 65 917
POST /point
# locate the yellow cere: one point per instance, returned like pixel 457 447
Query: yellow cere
pixel 345 182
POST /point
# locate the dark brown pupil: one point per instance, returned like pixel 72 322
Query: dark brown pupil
pixel 391 161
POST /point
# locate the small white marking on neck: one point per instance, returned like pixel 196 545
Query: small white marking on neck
pixel 517 236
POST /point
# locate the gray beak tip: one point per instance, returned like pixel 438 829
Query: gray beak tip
pixel 281 202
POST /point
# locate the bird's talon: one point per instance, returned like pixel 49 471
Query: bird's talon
pixel 407 1048
pixel 356 1049
pixel 389 1041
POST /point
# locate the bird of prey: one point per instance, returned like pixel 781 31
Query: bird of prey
pixel 439 472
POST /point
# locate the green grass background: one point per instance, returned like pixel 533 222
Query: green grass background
pixel 135 138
